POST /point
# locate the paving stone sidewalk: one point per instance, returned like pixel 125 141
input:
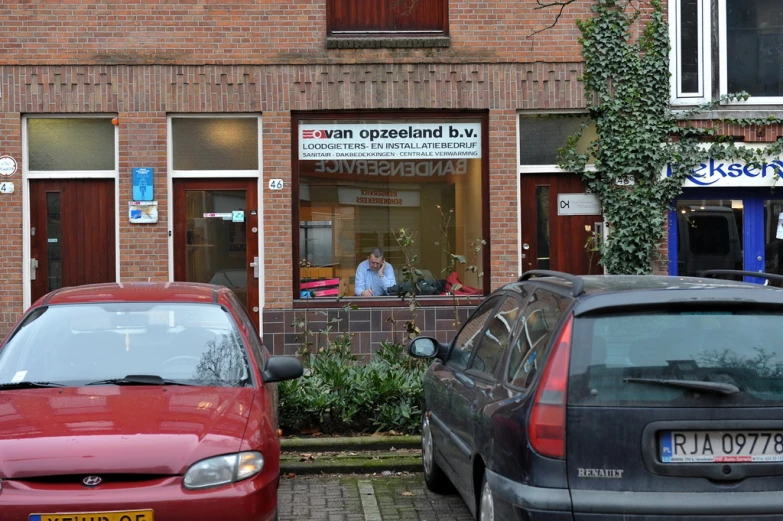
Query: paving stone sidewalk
pixel 366 498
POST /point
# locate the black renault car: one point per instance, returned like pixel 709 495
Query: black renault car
pixel 611 398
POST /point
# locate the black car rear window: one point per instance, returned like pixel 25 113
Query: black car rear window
pixel 740 348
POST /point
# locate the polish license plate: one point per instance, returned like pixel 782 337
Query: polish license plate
pixel 721 446
pixel 123 515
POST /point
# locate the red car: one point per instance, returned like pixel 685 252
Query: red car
pixel 139 402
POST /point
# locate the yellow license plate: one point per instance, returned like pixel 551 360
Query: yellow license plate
pixel 123 515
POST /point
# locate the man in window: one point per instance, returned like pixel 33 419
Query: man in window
pixel 374 276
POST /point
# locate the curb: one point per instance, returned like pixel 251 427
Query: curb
pixel 350 455
pixel 357 443
pixel 359 465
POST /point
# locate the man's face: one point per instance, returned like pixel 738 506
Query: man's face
pixel 375 262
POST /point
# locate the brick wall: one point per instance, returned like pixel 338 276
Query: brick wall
pixel 11 224
pixel 143 95
pixel 143 247
pixel 262 32
pixel 145 59
pixel 751 134
pixel 503 197
pixel 369 326
pixel 277 251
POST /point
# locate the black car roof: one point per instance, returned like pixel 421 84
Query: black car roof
pixel 609 292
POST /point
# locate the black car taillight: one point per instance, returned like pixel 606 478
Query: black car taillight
pixel 547 426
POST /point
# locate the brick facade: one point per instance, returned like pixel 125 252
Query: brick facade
pixel 141 61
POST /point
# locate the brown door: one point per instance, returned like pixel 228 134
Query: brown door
pixel 216 236
pixel 72 228
pixel 555 242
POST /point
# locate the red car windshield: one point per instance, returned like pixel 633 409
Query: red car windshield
pixel 76 344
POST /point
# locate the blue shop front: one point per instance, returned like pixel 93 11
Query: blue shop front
pixel 729 216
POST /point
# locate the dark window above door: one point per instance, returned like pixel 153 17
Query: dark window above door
pixel 387 23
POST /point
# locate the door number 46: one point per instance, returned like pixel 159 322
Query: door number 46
pixel 275 184
pixel 6 188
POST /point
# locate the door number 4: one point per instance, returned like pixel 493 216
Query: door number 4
pixel 275 184
pixel 6 188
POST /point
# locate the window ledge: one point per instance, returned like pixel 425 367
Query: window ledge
pixel 386 41
pixel 732 112
pixel 388 302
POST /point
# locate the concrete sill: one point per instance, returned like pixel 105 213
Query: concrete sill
pixel 387 42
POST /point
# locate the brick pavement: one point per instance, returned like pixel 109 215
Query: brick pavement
pixel 382 498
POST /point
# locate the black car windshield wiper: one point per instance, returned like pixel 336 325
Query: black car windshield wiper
pixel 718 387
pixel 138 379
pixel 28 385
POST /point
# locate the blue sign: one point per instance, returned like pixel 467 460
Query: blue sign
pixel 142 184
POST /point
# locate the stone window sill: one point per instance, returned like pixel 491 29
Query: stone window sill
pixel 387 42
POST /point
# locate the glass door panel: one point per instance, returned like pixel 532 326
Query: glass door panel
pixel 773 237
pixel 53 241
pixel 710 235
pixel 216 239
pixel 542 228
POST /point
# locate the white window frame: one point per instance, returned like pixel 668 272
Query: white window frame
pixel 28 175
pixel 704 93
pixel 218 174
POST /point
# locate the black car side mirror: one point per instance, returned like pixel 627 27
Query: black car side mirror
pixel 279 368
pixel 427 347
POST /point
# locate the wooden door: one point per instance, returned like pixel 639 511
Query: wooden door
pixel 216 236
pixel 72 228
pixel 555 242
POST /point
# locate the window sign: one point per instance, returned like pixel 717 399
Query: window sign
pixel 361 182
pixel 389 141
pixel 718 173
pixel 578 204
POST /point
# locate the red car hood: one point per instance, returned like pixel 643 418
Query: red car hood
pixel 139 430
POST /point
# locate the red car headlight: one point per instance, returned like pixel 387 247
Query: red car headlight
pixel 222 470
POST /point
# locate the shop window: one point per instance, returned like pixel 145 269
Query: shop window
pixel 387 17
pixel 219 143
pixel 749 43
pixel 71 145
pixel 361 181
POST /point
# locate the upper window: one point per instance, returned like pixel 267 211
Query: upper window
pixel 71 145
pixel 753 56
pixel 384 17
pixel 360 182
pixel 750 36
pixel 215 143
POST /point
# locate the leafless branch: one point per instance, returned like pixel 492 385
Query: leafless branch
pixel 407 4
pixel 544 5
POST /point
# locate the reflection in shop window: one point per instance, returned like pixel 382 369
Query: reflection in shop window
pixel 361 182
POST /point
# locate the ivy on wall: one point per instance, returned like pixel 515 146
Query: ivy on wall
pixel 627 81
